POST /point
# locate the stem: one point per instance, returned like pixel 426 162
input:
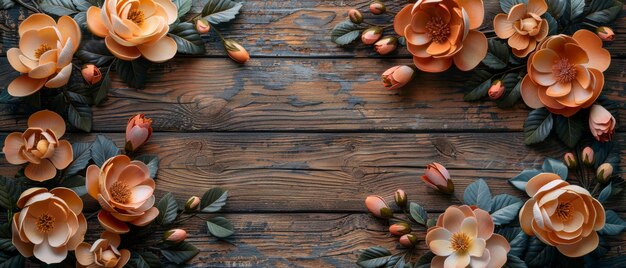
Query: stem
pixel 217 32
pixel 378 25
pixel 92 215
pixel 590 24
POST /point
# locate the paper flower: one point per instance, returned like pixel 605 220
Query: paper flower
pixel 562 215
pixel 437 177
pixel 397 76
pixel 138 131
pixel 439 33
pixel 50 224
pixel 565 73
pixel 45 52
pixel 601 123
pixel 125 190
pixel 39 146
pixel 464 236
pixel 135 28
pixel 103 253
pixel 523 26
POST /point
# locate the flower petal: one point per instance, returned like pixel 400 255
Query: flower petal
pixel 147 218
pixel 40 172
pixel 530 94
pixel 475 11
pixel 432 65
pixel 13 55
pixel 34 22
pixel 72 200
pixel 62 156
pixel 111 224
pixel 457 260
pixel 48 254
pixel 473 52
pixel 599 58
pixel 94 22
pixel 452 219
pixel 161 51
pixel 121 52
pixel 581 248
pixel 537 7
pixel 48 120
pixel 61 78
pixel 83 255
pixel 70 30
pixel 402 20
pixel 503 27
pixel 24 86
pixel 441 247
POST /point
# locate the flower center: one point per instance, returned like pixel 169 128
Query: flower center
pixel 45 223
pixel 42 49
pixel 460 242
pixel 120 192
pixel 564 71
pixel 437 29
pixel 136 16
pixel 528 24
pixel 564 211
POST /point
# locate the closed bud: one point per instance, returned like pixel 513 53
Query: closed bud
pixel 408 240
pixel 604 173
pixel 91 74
pixel 605 33
pixel 386 45
pixel 138 132
pixel 378 207
pixel 175 236
pixel 588 156
pixel 397 76
pixel 192 204
pixel 236 51
pixel 496 90
pixel 570 160
pixel 203 26
pixel 438 177
pixel 371 35
pixel 399 229
pixel 400 198
pixel 377 8
pixel 355 16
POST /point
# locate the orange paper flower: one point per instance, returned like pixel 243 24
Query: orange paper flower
pixel 50 224
pixel 103 252
pixel 523 26
pixel 39 146
pixel 135 28
pixel 440 32
pixel 125 191
pixel 601 123
pixel 45 52
pixel 565 73
pixel 562 215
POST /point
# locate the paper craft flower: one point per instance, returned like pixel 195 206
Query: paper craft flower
pixel 39 146
pixel 437 177
pixel 601 123
pixel 523 26
pixel 125 190
pixel 45 52
pixel 565 73
pixel 135 28
pixel 397 76
pixel 562 215
pixel 440 32
pixel 50 224
pixel 138 131
pixel 464 236
pixel 103 252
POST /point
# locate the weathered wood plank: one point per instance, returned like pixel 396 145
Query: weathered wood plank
pixel 269 172
pixel 301 95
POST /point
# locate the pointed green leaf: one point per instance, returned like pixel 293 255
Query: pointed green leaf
pixel 505 208
pixel 183 6
pixel 538 126
pixel 418 213
pixel 63 7
pixel 522 179
pixel 213 200
pixel 95 52
pixel 220 227
pixel 345 33
pixel 604 11
pixel 478 194
pixel 144 260
pixel 513 85
pixel 168 209
pixel 569 129
pixel 103 149
pixel 152 161
pixel 6 4
pixel 187 38
pixel 374 257
pixel 506 5
pixel 133 73
pixel 614 225
pixel 555 166
pixel 11 260
pixel 479 85
pixel 218 11
pixel 497 55
pixel 82 156
pixel 180 253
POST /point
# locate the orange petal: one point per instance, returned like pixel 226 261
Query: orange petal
pixel 114 239
pixel 452 219
pixel 502 26
pixel 436 48
pixel 43 71
pixel 12 149
pixel 94 22
pixel 147 218
pixel 14 59
pixel 438 234
pixel 111 224
pixel 583 247
pixel 537 7
pixel 83 255
pixel 475 11
pixel 543 31
pixel 539 181
pixel 48 120
pixel 92 181
pixel 530 94
pixel 419 21
pixel 473 52
pixel 441 247
pixel 523 53
pixel 70 30
pixel 170 9
pixel 518 41
pixel 72 200
pixel 575 54
pixel 544 59
pixel 485 224
pixel 432 65
pixel 559 89
pixel 599 58
pixel 517 12
pixel 581 95
pixel 61 78
pixel 418 39
pixel 124 257
pixel 35 22
pixel 40 172
pixel 498 246
pixel 121 52
pixel 402 20
pixel 24 86
pixel 457 260
pixel 48 254
pixel 161 51
pixel 62 155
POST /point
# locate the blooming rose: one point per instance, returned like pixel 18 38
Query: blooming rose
pixel 45 52
pixel 39 146
pixel 565 73
pixel 125 190
pixel 523 26
pixel 464 236
pixel 103 252
pixel 439 32
pixel 562 215
pixel 601 123
pixel 50 224
pixel 135 28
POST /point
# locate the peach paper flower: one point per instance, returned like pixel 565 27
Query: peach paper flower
pixel 125 191
pixel 565 73
pixel 103 252
pixel 138 131
pixel 562 215
pixel 40 147
pixel 464 236
pixel 523 26
pixel 440 32
pixel 50 224
pixel 601 123
pixel 133 28
pixel 45 52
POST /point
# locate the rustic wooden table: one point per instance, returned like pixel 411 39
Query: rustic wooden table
pixel 304 131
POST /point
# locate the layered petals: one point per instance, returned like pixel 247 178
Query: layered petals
pixel 103 253
pixel 523 26
pixel 601 123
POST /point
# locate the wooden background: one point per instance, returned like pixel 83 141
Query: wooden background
pixel 304 131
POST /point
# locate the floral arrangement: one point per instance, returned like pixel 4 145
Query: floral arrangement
pixel 544 52
pixel 44 201
pixel 128 37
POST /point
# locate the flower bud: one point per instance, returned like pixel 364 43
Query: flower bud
pixel 371 35
pixel 236 51
pixel 570 160
pixel 355 16
pixel 377 8
pixel 605 33
pixel 408 240
pixel 401 198
pixel 378 207
pixel 437 177
pixel 401 228
pixel 397 76
pixel 588 156
pixel 175 236
pixel 91 74
pixel 496 90
pixel 386 45
pixel 192 204
pixel 604 173
pixel 203 26
pixel 601 123
pixel 138 132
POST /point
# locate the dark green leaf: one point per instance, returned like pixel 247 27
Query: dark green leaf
pixel 6 245
pixel 187 38
pixel 6 4
pixel 506 5
pixel 220 227
pixel 479 83
pixel 604 11
pixel 537 126
pixel 168 209
pixel 539 254
pixel 213 200
pixel 555 166
pixel 134 73
pixel 617 261
pixel 477 193
pixel 76 183
pixel 614 225
pixel 81 19
pixel 95 52
pixel 82 155
pixel 425 260
pixel 497 55
pixel 606 152
pixel 553 25
pixel 79 115
pixel 218 11
pixel 9 192
pixel 103 149
pixel 517 239
pixel 180 253
pixel 505 208
pixel 103 90
pixel 569 129
pixel 11 261
pixel 606 193
pixel 63 7
pixel 345 33
pixel 575 9
pixel 183 6
pixel 513 93
pixel 373 257
pixel 152 161
pixel 513 261
pixel 418 213
pixel 144 260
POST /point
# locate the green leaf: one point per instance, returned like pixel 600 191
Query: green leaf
pixel 152 161
pixel 81 155
pixel 479 83
pixel 522 179
pixel 606 193
pixel 506 5
pixel 63 7
pixel 103 90
pixel 614 225
pixel 6 244
pixel 513 94
pixel 569 129
pixel 539 254
pixel 103 149
pixel 553 25
pixel 497 55
pixel 220 227
pixel 345 33
pixel 478 194
pixel 373 257
pixel 76 183
pixel 168 209
pixel 6 4
pixel 555 166
pixel 183 6
pixel 518 241
pixel 418 213
pixel 213 200
pixel 144 260
pixel 218 11
pixel 9 192
pixel 180 253
pixel 95 52
pixel 79 113
pixel 187 38
pixel 556 7
pixel 513 261
pixel 604 11
pixel 537 126
pixel 574 10
pixel 133 73
pixel 11 261
pixel 505 208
